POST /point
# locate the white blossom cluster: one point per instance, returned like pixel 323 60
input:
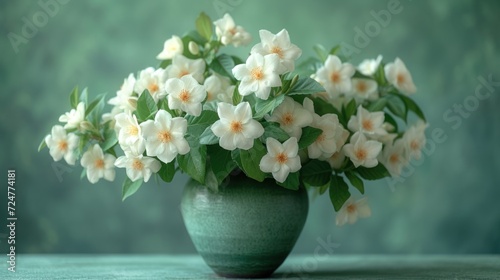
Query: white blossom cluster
pixel 188 86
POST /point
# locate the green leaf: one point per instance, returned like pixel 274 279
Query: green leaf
pixel 210 179
pixel 388 118
pixel 204 26
pixel 195 37
pixel 42 145
pixel 94 103
pixel 324 188
pixel 374 173
pixel 167 171
pixel 309 136
pixel 263 107
pixel 73 98
pixel 237 97
pixel 380 75
pixel 355 181
pixel 130 187
pixel 198 125
pixel 292 182
pixel 223 64
pixel 84 96
pixel 397 107
pixel 82 142
pixel 320 52
pixel 83 174
pixel 335 50
pixel 165 63
pixel 411 105
pixel 322 107
pixel 194 163
pixel 146 107
pixel 110 139
pixel 221 162
pixel 308 66
pixel 273 130
pixel 349 109
pixel 377 105
pixel 250 160
pixel 339 192
pixel 305 86
pixel 208 137
pixel 316 173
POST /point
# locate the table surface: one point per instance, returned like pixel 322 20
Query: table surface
pixel 295 267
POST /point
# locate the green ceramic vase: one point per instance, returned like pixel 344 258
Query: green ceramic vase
pixel 247 228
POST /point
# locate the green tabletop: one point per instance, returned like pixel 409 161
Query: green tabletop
pixel 296 267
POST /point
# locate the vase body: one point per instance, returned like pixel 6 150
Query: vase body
pixel 247 228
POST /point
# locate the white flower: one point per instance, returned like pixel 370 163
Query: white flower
pixel 129 133
pixel 152 80
pixel 335 76
pixel 281 159
pixel 336 160
pixel 236 128
pixel 171 48
pixel 185 94
pixel 216 85
pixel 227 95
pixel 61 144
pixel 362 152
pixel 165 136
pixel 397 74
pixel 258 75
pixel 291 116
pixel 364 89
pixel 138 166
pixel 229 33
pixel 414 139
pixel 369 66
pixel 351 210
pixel 74 118
pixel 98 164
pixel 124 99
pixel 182 66
pixel 394 156
pixel 280 45
pixel 110 116
pixel 371 124
pixel 332 138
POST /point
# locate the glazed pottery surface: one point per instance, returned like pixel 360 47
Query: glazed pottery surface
pixel 247 228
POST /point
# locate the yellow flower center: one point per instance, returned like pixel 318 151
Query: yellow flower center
pixel 414 145
pixel 164 136
pixel 367 125
pixel 153 88
pixel 361 154
pixel 183 73
pixel 236 127
pixel 361 87
pixel 62 145
pixel 133 130
pixel 335 77
pixel 99 164
pixel 257 74
pixel 277 50
pixel 281 158
pixel 401 78
pixel 321 138
pixel 184 96
pixel 287 119
pixel 394 158
pixel 137 165
pixel 351 208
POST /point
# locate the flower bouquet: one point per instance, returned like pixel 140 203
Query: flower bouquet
pixel 322 124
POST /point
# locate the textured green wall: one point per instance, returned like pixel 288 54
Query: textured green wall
pixel 448 203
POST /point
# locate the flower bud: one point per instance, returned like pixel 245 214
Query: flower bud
pixel 86 126
pixel 193 48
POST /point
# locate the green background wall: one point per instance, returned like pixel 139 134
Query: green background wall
pixel 448 202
